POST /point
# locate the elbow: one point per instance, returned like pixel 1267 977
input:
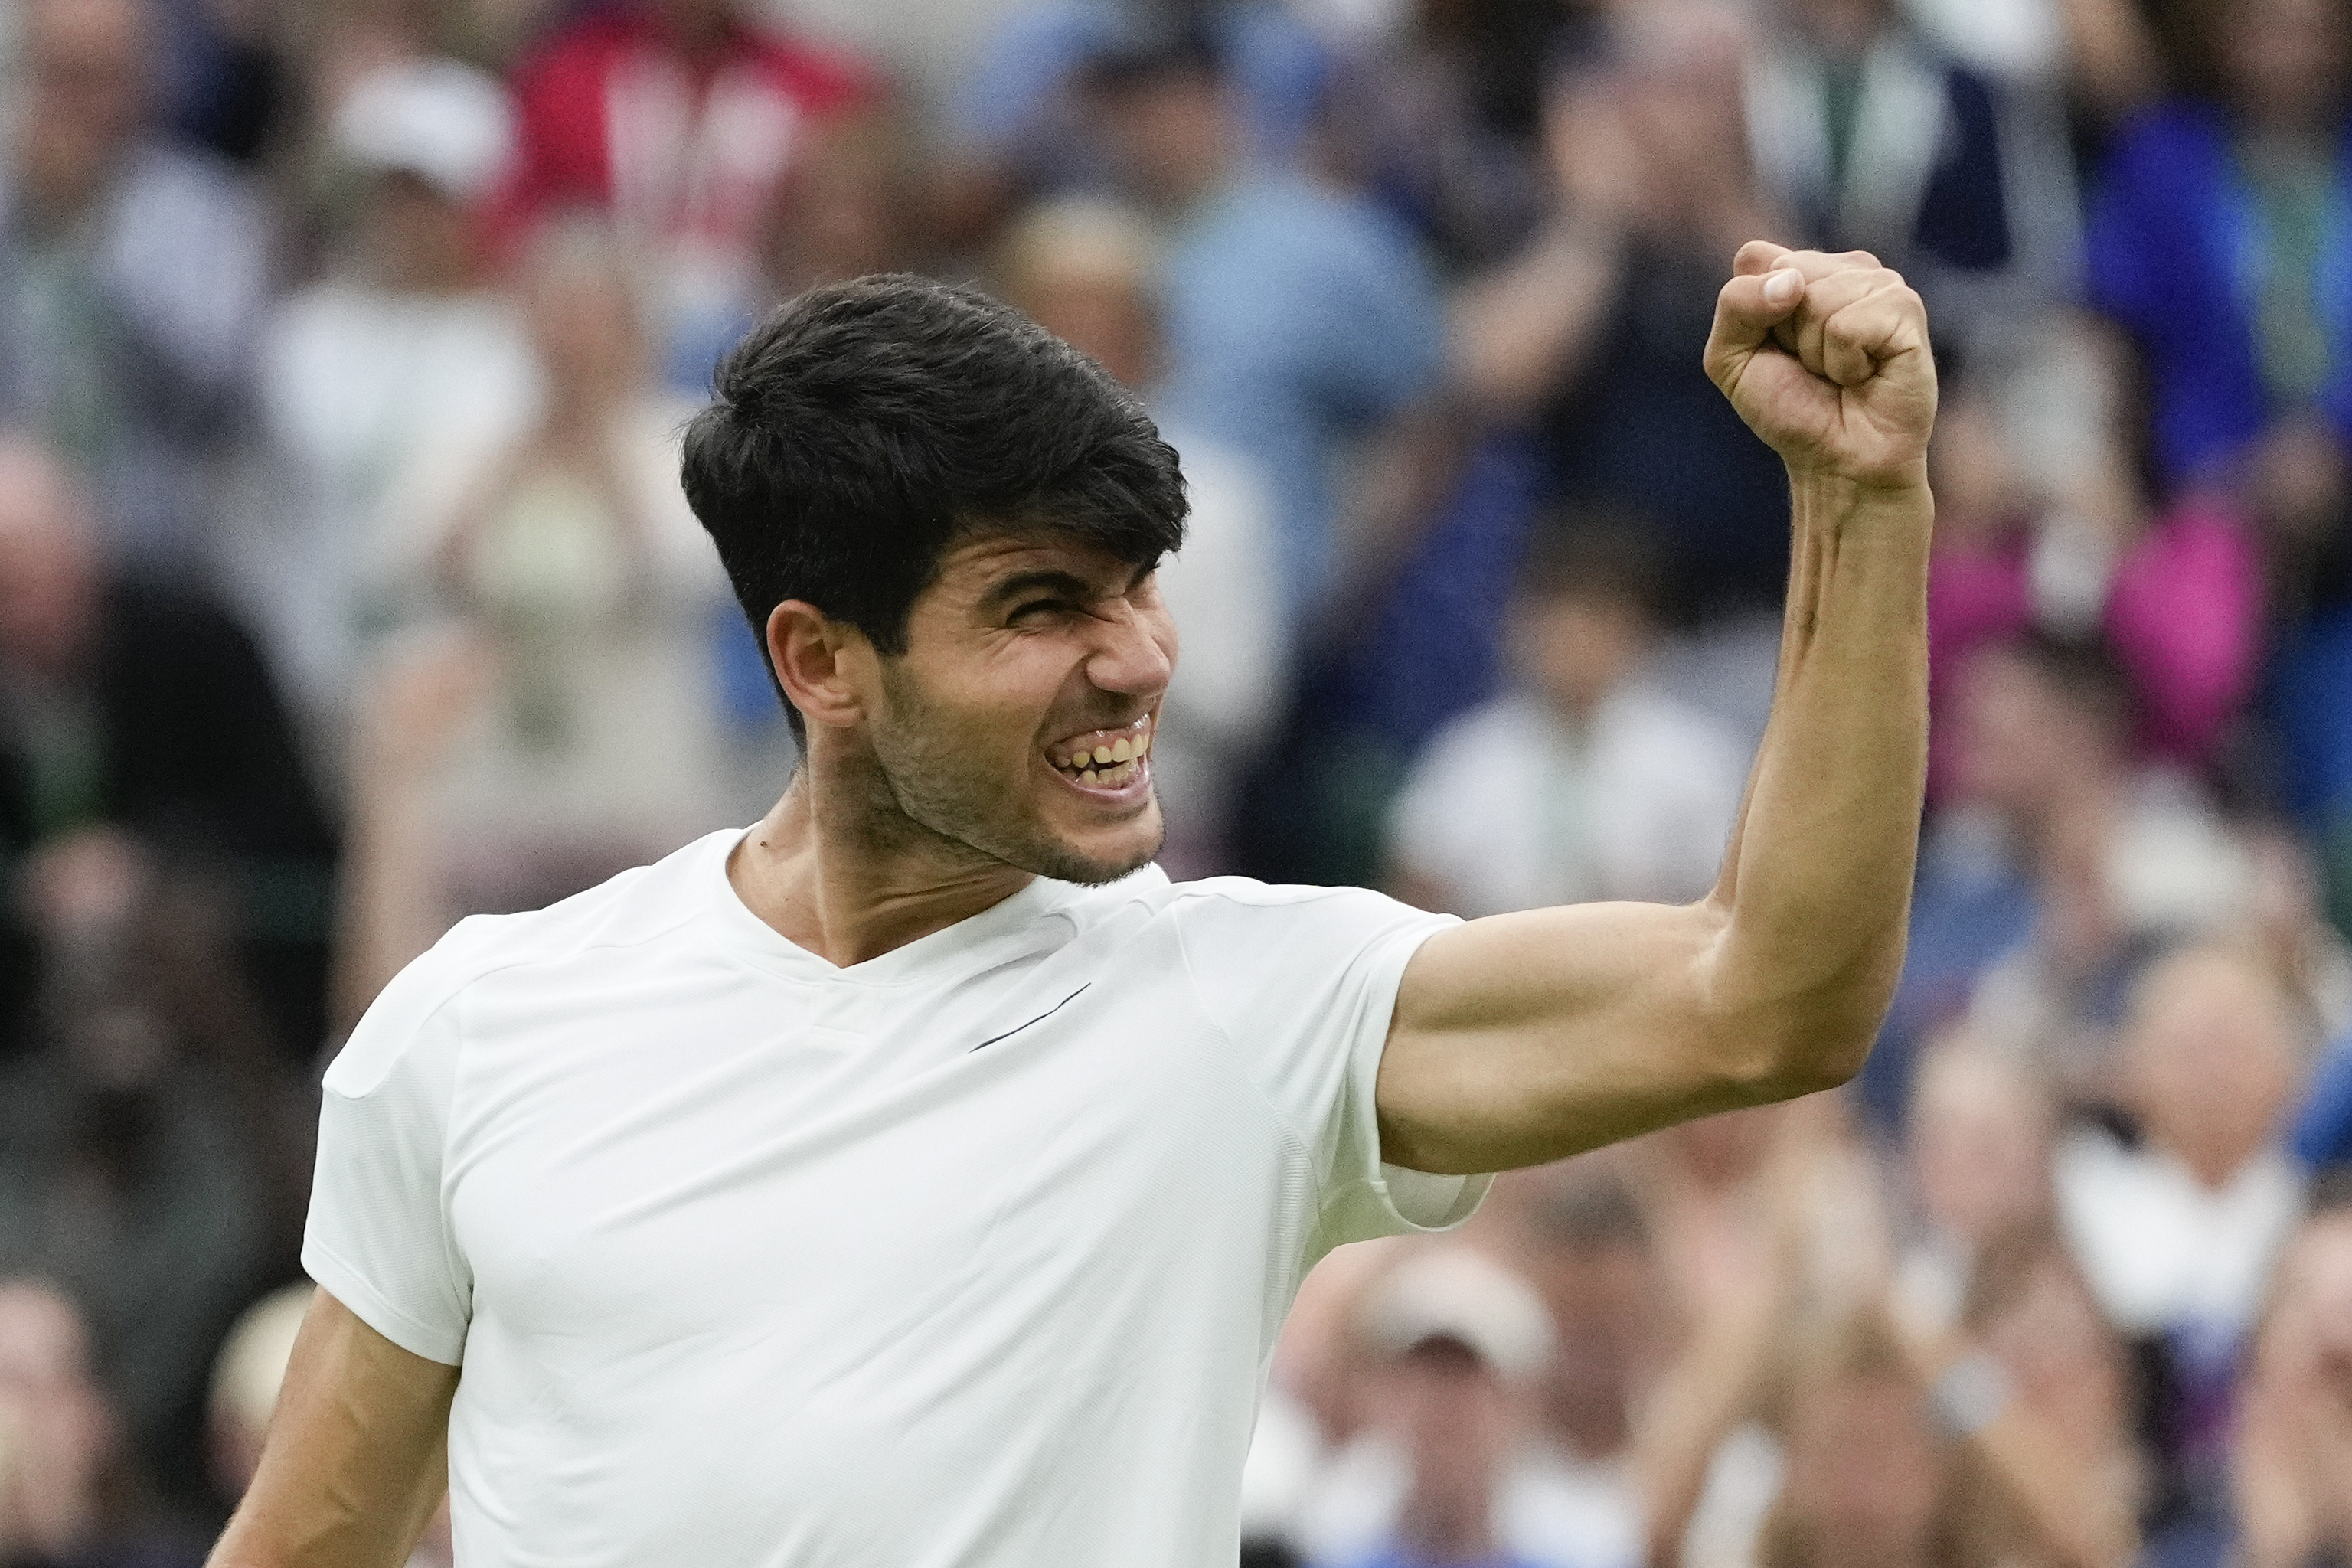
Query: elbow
pixel 1801 1045
pixel 1824 1056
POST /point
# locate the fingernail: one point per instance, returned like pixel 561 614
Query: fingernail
pixel 1783 286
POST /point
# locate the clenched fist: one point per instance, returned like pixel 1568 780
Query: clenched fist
pixel 1826 358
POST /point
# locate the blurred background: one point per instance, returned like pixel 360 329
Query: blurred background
pixel 346 589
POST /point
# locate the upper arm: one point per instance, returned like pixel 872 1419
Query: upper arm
pixel 355 1463
pixel 1525 1037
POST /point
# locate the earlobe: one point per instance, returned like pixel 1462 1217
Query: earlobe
pixel 808 652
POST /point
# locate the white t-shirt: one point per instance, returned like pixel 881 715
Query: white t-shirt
pixel 971 1255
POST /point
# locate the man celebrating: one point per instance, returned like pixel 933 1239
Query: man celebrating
pixel 920 1178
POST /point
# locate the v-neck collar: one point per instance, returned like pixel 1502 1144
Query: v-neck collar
pixel 940 950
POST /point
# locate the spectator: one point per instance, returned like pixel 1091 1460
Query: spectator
pixel 1439 116
pixel 2178 1236
pixel 1586 782
pixel 2217 246
pixel 2177 596
pixel 1865 1470
pixel 1299 323
pixel 1086 272
pixel 1442 1476
pixel 1983 1132
pixel 676 118
pixel 1585 1247
pixel 1813 1419
pixel 150 1149
pixel 132 275
pixel 2293 1465
pixel 403 347
pixel 2054 871
pixel 1875 139
pixel 66 1500
pixel 1020 130
pixel 2210 247
pixel 189 757
pixel 592 743
pixel 1588 337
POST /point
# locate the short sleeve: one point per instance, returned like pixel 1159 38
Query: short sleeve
pixel 1303 983
pixel 378 1237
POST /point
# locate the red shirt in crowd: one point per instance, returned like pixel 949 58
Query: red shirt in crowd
pixel 683 151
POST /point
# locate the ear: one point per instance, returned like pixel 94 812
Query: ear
pixel 817 662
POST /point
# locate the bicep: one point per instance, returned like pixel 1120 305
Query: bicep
pixel 355 1461
pixel 1526 1037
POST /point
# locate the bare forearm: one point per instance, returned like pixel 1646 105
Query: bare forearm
pixel 1816 885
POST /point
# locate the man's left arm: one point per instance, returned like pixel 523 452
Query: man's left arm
pixel 1525 1037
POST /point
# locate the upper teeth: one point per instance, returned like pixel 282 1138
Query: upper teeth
pixel 1122 749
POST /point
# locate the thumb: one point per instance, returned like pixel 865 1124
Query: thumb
pixel 1746 310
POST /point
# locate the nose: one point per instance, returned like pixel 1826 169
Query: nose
pixel 1135 653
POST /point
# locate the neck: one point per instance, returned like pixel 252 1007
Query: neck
pixel 838 869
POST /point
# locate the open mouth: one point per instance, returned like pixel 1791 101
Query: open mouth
pixel 1105 759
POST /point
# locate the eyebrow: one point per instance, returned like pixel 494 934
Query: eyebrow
pixel 1053 579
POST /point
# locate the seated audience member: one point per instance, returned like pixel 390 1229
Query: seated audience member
pixel 2177 596
pixel 2055 869
pixel 403 345
pixel 247 1376
pixel 187 756
pixel 132 275
pixel 1874 138
pixel 1583 1243
pixel 1983 1132
pixel 1019 128
pixel 1087 272
pixel 674 118
pixel 2217 246
pixel 1445 1473
pixel 2292 1470
pixel 2210 246
pixel 2178 1236
pixel 1584 336
pixel 588 741
pixel 1436 110
pixel 1585 780
pixel 67 1498
pixel 1814 1417
pixel 152 1152
pixel 1301 327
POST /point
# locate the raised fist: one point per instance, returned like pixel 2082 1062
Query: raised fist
pixel 1826 358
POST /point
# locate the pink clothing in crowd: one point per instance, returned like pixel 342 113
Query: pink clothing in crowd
pixel 2183 618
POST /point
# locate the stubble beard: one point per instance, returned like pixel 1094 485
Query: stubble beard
pixel 932 786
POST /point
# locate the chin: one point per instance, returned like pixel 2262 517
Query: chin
pixel 1104 855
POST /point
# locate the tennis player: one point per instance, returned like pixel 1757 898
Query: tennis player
pixel 920 1178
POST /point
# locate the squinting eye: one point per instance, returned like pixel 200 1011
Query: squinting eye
pixel 1035 606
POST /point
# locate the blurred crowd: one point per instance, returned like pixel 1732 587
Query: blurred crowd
pixel 346 589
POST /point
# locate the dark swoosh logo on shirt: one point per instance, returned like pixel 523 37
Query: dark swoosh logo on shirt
pixel 1038 1019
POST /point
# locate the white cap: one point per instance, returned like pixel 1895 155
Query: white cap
pixel 1453 1293
pixel 446 123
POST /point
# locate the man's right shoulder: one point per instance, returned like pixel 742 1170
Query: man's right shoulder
pixel 640 905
